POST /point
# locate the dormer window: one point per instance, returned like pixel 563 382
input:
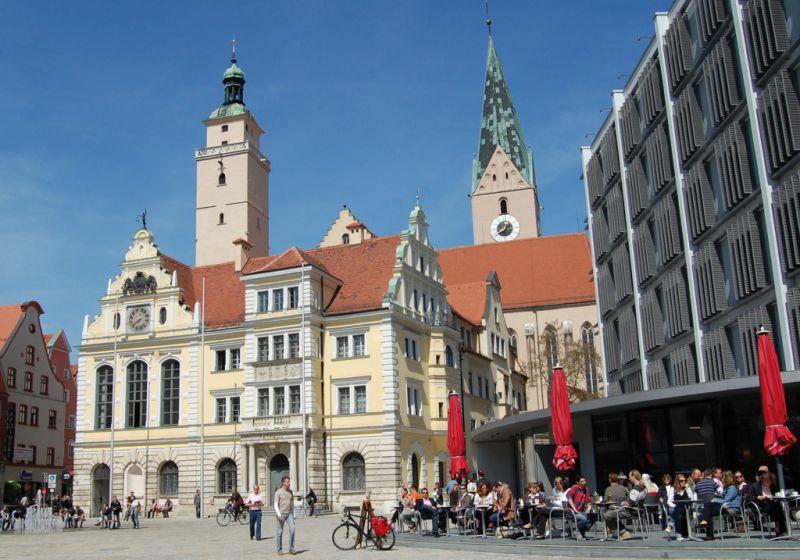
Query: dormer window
pixel 346 239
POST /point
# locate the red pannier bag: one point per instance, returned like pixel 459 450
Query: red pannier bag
pixel 381 526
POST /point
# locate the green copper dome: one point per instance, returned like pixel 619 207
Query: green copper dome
pixel 233 72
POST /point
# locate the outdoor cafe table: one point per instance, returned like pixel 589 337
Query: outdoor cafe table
pixel 446 509
pixel 484 518
pixel 689 505
pixel 785 501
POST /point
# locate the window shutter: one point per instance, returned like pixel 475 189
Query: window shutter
pixel 744 242
pixel 793 304
pixel 710 280
pixel 652 321
pixel 645 253
pixel 656 375
pixel 616 212
pixel 719 72
pixel 611 346
pixel 718 356
pixel 679 51
pixel 779 113
pixel 699 200
pixel 766 33
pixel 787 218
pixel 650 93
pixel 710 15
pixel 639 197
pixel 691 135
pixel 631 126
pixel 733 160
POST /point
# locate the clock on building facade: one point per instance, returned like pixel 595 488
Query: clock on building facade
pixel 139 318
pixel 504 227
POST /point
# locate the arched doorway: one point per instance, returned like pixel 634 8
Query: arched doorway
pixel 134 481
pixel 415 470
pixel 278 468
pixel 100 487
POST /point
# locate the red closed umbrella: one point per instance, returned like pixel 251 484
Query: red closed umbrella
pixel 455 438
pixel 565 456
pixel 777 437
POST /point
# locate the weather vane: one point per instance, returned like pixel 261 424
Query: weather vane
pixel 143 218
pixel 419 196
pixel 233 55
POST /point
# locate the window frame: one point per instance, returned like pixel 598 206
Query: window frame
pixel 168 481
pixel 11 376
pixel 136 394
pixel 28 386
pixel 44 385
pixel 227 478
pixel 34 416
pixel 170 392
pixel 414 396
pixel 52 419
pixel 104 387
pixel 354 475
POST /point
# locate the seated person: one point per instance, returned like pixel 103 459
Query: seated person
pixel 167 508
pixel 427 507
pixel 408 514
pixel 678 514
pixel 483 504
pixel 616 515
pixel 580 503
pixel 504 507
pixel 762 493
pixel 554 506
pixel 730 499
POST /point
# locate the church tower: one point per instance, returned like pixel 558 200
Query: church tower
pixel 505 205
pixel 232 180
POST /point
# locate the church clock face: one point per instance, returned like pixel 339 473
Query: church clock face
pixel 139 318
pixel 504 227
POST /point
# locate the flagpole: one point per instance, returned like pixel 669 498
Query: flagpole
pixel 202 399
pixel 303 375
pixel 113 395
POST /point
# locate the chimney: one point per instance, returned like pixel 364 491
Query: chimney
pixel 241 253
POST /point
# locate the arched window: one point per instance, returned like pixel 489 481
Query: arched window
pixel 503 206
pixel 415 470
pixel 168 479
pixel 589 357
pixel 551 348
pixel 162 315
pixel 226 476
pixel 170 392
pixel 449 361
pixel 353 472
pixel 116 321
pixel 221 218
pixel 346 239
pixel 137 394
pixel 221 179
pixel 494 177
pixel 102 414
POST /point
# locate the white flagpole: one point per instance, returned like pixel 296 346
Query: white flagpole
pixel 202 400
pixel 302 295
pixel 114 373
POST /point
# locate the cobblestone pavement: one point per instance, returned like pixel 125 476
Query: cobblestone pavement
pixel 179 538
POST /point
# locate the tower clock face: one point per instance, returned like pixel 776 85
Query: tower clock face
pixel 139 318
pixel 504 227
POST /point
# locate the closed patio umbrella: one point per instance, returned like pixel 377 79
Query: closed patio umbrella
pixel 455 437
pixel 777 437
pixel 565 456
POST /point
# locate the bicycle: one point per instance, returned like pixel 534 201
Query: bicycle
pixel 225 516
pixel 348 534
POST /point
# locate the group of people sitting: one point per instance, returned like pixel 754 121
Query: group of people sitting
pixel 71 515
pixel 491 507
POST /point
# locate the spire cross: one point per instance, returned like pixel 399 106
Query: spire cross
pixel 233 46
pixel 419 196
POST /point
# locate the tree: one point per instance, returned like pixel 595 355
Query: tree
pixel 579 359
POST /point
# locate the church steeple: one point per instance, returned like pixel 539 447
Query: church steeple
pixel 233 82
pixel 500 125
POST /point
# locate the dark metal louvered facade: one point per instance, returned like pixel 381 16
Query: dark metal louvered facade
pixel 693 193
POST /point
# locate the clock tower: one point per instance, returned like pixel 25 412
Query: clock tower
pixel 505 205
pixel 232 180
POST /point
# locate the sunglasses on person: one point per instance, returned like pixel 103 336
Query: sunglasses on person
pixel 739 476
pixel 682 480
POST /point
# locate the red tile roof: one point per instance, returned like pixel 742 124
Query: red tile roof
pixel 47 338
pixel 10 316
pixel 468 300
pixel 224 290
pixel 355 225
pixel 543 271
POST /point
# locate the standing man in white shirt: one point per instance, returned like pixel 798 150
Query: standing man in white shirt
pixel 255 501
pixel 284 511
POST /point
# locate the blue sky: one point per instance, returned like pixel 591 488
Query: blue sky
pixel 362 102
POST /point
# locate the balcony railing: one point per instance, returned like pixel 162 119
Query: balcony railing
pixel 279 370
pixel 214 151
pixel 272 423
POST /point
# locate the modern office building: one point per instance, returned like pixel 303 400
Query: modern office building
pixel 693 195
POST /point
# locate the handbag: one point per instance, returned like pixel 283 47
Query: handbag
pixel 380 525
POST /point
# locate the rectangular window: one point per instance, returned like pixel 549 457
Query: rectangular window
pixel 29 355
pixel 486 387
pixel 342 347
pixel 414 405
pixel 359 345
pixel 294 298
pixel 263 401
pixel 280 401
pixel 66 395
pixel 33 449
pixel 361 398
pixel 263 349
pixel 72 422
pixel 236 358
pixel 294 399
pixel 12 378
pixel 220 361
pixel 277 299
pixel 51 456
pixel 344 400
pixel 294 345
pixel 28 381
pixel 441 410
pixel 235 409
pixel 480 386
pixel 34 416
pixel 469 383
pixel 277 347
pixel 22 414
pixel 44 385
pixel 222 411
pixel 414 354
pixel 71 451
pixel 224 128
pixel 472 425
pixel 51 419
pixel 263 302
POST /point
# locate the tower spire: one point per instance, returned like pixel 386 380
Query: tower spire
pixel 488 19
pixel 500 125
pixel 233 49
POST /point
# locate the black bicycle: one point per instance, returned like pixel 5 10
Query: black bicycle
pixel 225 516
pixel 348 535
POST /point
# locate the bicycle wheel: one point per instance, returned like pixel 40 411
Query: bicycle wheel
pixel 223 518
pixel 244 518
pixel 386 542
pixel 344 536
